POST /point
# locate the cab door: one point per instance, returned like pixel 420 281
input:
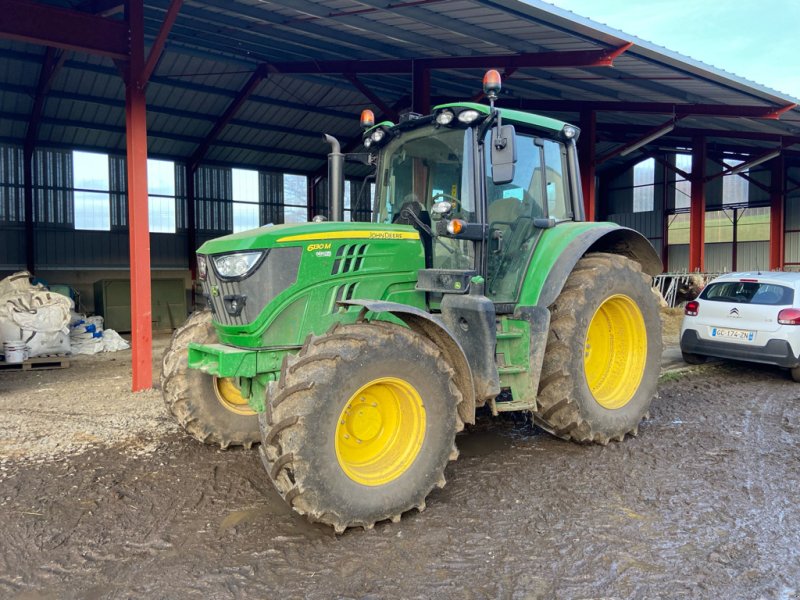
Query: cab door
pixel 518 212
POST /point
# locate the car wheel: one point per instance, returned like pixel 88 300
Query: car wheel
pixel 694 359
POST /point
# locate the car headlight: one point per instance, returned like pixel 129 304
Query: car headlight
pixel 238 265
pixel 202 267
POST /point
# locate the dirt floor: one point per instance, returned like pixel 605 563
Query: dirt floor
pixel 102 497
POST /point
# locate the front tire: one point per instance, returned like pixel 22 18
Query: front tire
pixel 361 425
pixel 210 409
pixel 603 354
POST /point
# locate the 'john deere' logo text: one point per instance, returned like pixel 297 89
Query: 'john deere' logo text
pixel 385 235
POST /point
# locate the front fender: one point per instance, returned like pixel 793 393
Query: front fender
pixel 433 329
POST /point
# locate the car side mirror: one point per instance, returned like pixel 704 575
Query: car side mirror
pixel 504 154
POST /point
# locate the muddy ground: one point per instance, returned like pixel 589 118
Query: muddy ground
pixel 111 501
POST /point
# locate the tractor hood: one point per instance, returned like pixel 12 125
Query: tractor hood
pixel 297 234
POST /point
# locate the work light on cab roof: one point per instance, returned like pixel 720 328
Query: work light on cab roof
pixel 367 118
pixel 492 84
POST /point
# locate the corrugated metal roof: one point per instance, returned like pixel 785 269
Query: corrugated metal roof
pixel 216 45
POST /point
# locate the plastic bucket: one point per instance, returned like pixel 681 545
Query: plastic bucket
pixel 16 352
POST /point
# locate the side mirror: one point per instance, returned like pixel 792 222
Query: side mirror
pixel 504 154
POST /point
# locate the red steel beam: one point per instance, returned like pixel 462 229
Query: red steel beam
pixel 371 96
pixel 136 138
pixel 255 79
pixel 105 8
pixel 679 110
pixel 158 44
pixel 669 166
pixel 570 59
pixel 587 159
pixel 619 129
pixel 63 28
pixel 777 209
pixel 697 208
pixel 51 64
pixel 649 136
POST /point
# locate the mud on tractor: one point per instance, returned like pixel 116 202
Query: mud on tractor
pixel 354 352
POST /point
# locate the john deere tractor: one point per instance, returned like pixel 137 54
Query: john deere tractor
pixel 354 352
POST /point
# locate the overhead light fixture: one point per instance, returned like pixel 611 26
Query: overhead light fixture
pixel 648 138
pixel 755 162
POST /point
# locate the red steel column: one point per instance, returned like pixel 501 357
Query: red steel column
pixel 420 89
pixel 777 207
pixel 586 158
pixel 697 211
pixel 136 133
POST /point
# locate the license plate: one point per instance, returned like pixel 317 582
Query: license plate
pixel 733 334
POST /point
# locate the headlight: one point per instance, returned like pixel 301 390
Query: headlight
pixel 377 135
pixel 202 267
pixel 236 266
pixel 569 131
pixel 445 117
pixel 367 143
pixel 468 116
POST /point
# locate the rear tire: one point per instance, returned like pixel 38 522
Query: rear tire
pixel 603 354
pixel 207 407
pixel 795 372
pixel 694 359
pixel 361 425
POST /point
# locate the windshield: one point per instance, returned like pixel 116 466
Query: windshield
pixel 424 167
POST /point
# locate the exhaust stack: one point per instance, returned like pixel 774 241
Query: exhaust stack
pixel 335 179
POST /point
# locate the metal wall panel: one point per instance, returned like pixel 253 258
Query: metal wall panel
pixel 678 258
pixel 213 191
pixel 719 257
pixel 792 249
pixel 752 256
pixel 271 191
pixel 67 248
pixel 792 218
pixel 168 250
pixel 12 248
pixel 53 198
pixel 650 224
pixel 12 200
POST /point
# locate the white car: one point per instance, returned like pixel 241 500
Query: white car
pixel 746 316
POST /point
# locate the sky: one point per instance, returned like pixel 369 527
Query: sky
pixel 754 39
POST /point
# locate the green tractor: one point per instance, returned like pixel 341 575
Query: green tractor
pixel 354 352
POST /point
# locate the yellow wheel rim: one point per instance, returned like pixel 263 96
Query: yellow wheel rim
pixel 615 352
pixel 380 431
pixel 230 396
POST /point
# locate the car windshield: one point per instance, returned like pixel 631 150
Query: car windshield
pixel 748 292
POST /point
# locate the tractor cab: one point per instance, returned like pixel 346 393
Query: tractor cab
pixel 479 185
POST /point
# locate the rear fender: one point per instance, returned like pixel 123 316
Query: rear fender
pixel 426 325
pixel 612 239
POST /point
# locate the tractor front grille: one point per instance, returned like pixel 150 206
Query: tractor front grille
pixel 240 302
